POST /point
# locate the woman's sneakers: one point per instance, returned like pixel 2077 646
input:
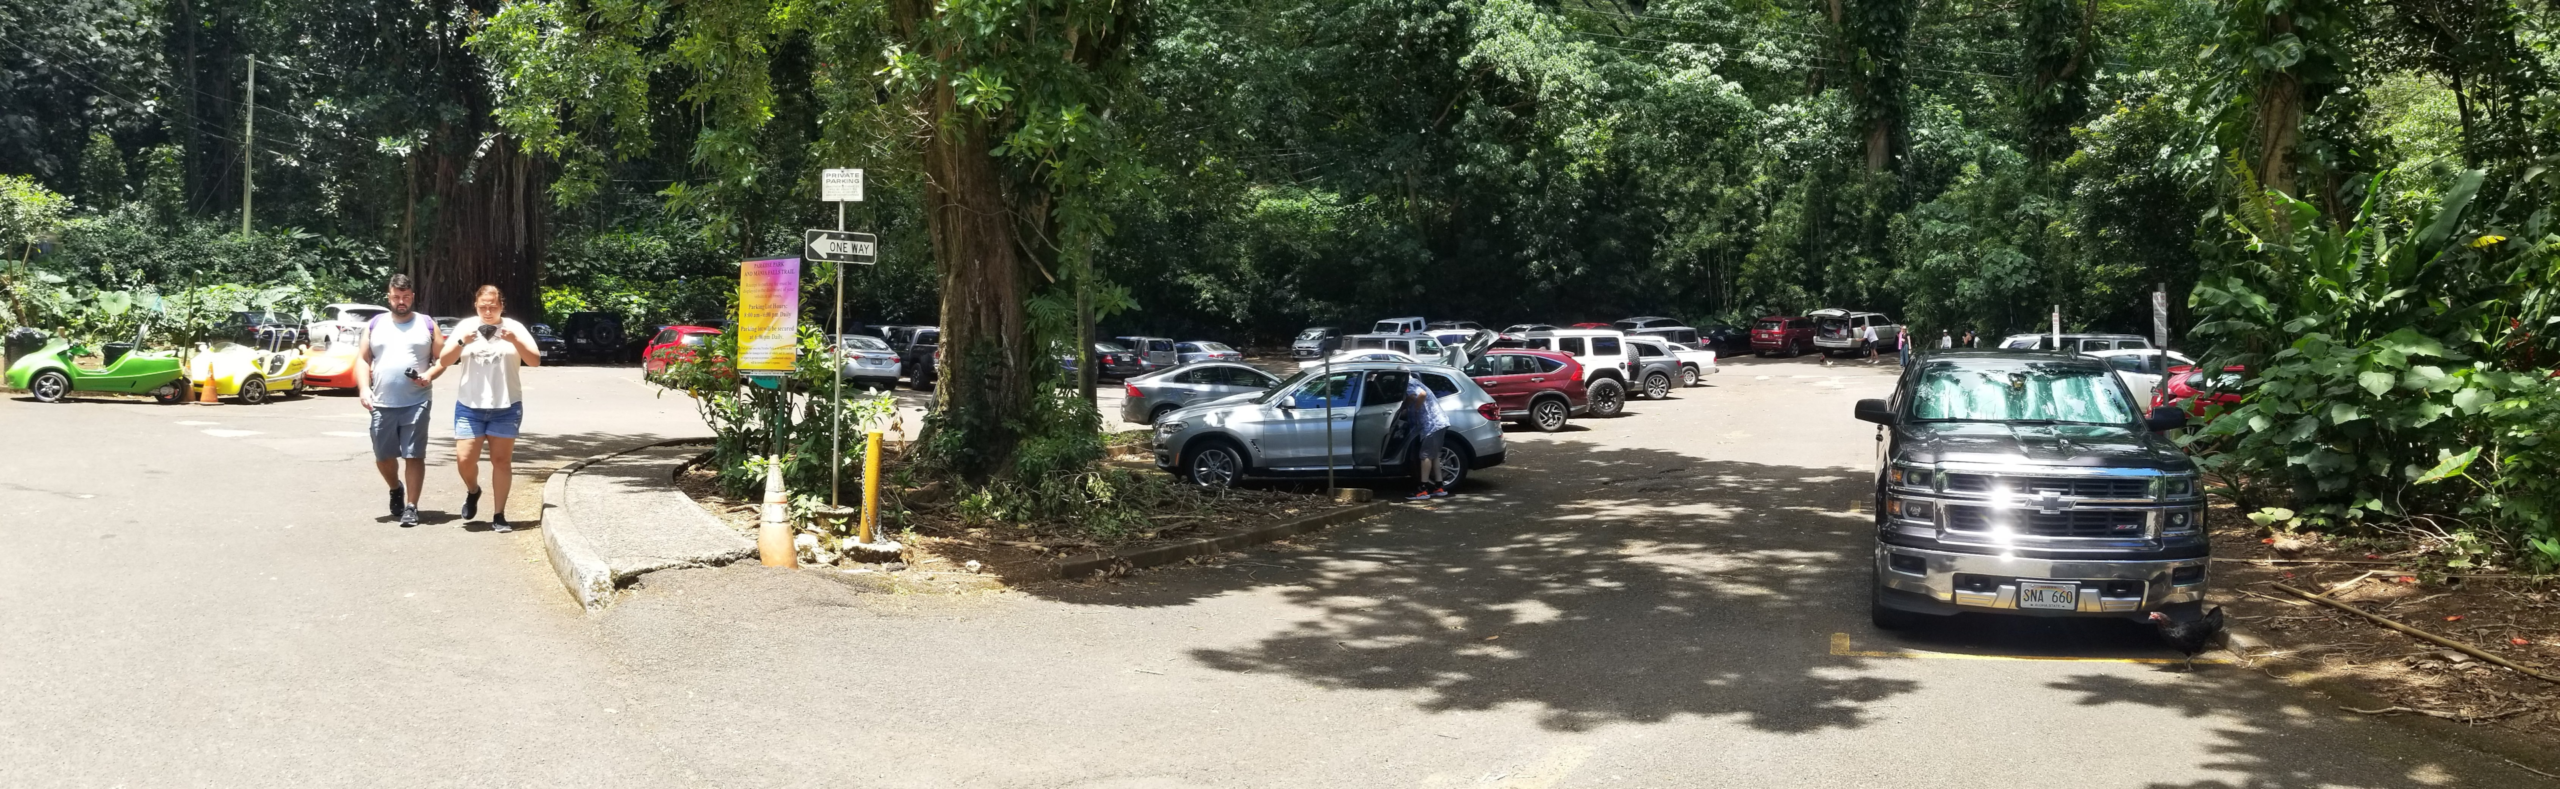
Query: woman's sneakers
pixel 498 522
pixel 1419 495
pixel 471 505
pixel 1440 493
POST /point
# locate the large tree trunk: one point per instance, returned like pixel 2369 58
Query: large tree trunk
pixel 488 229
pixel 984 379
pixel 2279 121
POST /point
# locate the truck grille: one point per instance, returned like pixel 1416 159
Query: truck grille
pixel 2085 487
pixel 2069 523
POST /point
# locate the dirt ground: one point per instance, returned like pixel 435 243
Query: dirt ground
pixel 2513 616
pixel 939 543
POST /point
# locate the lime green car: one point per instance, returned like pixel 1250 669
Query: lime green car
pixel 51 375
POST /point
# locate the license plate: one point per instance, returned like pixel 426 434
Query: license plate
pixel 2065 597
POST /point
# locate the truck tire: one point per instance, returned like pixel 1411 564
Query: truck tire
pixel 1889 619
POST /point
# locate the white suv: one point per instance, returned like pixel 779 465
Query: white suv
pixel 1605 365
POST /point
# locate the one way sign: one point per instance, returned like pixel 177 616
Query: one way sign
pixel 837 246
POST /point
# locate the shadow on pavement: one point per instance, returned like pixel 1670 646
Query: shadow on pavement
pixel 2267 743
pixel 1622 601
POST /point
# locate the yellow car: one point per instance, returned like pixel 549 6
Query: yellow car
pixel 252 375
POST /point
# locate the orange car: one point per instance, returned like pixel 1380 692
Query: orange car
pixel 332 364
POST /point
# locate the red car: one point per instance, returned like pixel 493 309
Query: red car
pixel 673 343
pixel 2218 393
pixel 1592 326
pixel 1781 334
pixel 1540 389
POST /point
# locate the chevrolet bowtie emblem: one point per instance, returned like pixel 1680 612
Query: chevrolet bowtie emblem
pixel 2050 502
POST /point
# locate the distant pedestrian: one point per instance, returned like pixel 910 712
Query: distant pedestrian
pixel 1430 431
pixel 488 406
pixel 1902 347
pixel 1945 340
pixel 1971 340
pixel 395 384
pixel 1869 341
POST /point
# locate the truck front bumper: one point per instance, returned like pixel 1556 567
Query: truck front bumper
pixel 1942 582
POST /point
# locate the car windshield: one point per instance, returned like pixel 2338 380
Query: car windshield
pixel 1313 334
pixel 862 342
pixel 2033 392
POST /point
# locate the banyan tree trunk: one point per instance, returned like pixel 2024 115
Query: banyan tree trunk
pixel 488 230
pixel 984 380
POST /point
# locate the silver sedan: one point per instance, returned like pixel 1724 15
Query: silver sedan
pixel 1155 394
pixel 1345 420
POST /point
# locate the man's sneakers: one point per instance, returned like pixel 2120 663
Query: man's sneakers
pixel 498 523
pixel 1419 495
pixel 398 497
pixel 471 505
pixel 408 516
pixel 1440 493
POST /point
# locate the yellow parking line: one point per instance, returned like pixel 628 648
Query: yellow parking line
pixel 1840 647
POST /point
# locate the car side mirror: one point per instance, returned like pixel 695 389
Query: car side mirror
pixel 2165 419
pixel 1874 410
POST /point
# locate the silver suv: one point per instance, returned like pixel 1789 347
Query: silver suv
pixel 1344 419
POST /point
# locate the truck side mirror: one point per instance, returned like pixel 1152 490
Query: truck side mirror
pixel 2165 419
pixel 1874 410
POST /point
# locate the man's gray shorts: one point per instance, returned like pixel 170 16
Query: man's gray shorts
pixel 400 432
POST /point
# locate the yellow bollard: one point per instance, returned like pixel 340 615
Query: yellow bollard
pixel 870 488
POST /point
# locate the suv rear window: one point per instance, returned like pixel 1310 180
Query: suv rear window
pixel 1605 346
pixel 1440 385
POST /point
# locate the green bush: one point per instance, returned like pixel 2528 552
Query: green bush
pixel 2398 371
pixel 742 421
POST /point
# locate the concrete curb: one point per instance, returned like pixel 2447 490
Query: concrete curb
pixel 581 567
pixel 2302 674
pixel 1158 556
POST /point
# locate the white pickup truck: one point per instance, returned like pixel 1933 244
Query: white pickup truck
pixel 1696 360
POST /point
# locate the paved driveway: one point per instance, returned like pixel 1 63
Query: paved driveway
pixel 1667 599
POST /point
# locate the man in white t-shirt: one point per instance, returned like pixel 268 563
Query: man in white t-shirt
pixel 488 405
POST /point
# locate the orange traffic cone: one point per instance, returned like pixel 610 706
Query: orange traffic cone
pixel 208 394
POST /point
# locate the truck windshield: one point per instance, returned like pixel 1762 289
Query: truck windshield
pixel 2020 393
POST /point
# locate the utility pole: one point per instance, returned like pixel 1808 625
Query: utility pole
pixel 249 144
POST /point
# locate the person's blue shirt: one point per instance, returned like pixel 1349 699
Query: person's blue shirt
pixel 1430 419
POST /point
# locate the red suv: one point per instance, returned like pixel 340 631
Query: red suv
pixel 1535 388
pixel 673 343
pixel 1781 334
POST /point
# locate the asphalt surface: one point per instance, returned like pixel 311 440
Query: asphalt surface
pixel 214 597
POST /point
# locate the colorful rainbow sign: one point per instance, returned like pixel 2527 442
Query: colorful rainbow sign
pixel 768 315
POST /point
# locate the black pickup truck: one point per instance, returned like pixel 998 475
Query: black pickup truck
pixel 2029 483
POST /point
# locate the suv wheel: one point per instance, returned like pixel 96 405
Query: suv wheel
pixel 1217 464
pixel 1608 398
pixel 1657 386
pixel 1689 375
pixel 1452 466
pixel 1549 414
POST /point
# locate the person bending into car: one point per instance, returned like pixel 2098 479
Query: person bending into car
pixel 488 406
pixel 1430 430
pixel 395 385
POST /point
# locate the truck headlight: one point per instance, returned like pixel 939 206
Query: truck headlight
pixel 1912 477
pixel 2174 487
pixel 2181 522
pixel 1910 509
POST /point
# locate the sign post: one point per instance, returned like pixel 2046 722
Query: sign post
pixel 841 186
pixel 768 347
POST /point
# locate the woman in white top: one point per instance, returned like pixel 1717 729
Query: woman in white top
pixel 489 406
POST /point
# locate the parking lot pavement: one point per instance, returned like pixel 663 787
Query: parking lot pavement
pixel 1671 598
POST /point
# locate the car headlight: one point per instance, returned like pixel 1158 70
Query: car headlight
pixel 1170 428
